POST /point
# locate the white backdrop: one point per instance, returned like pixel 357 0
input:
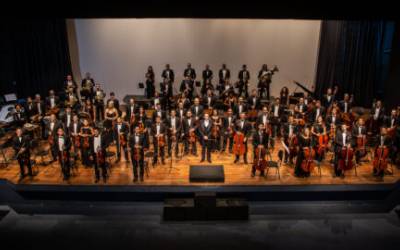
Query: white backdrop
pixel 118 51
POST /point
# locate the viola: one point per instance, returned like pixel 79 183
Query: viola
pixel 308 163
pixel 380 159
pixel 238 144
pixel 346 158
pixel 259 161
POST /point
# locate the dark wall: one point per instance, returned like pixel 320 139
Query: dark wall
pixel 392 85
pixel 34 56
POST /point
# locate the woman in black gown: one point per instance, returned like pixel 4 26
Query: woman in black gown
pixel 150 88
pixel 85 134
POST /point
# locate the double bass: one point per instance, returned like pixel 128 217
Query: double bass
pixel 308 162
pixel 346 158
pixel 239 147
pixel 380 159
pixel 259 160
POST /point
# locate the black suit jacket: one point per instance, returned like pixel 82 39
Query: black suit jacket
pixel 67 143
pixel 190 72
pixel 227 75
pixel 155 114
pixel 171 74
pixel 212 102
pixel 207 74
pixel 246 127
pixel 128 111
pixel 251 103
pixel 313 113
pixel 236 109
pixel 241 75
pixel 178 124
pixel 257 140
pixel 186 127
pixel 105 142
pixel 203 130
pixel 143 142
pixel 57 124
pixel 199 114
pixel 17 145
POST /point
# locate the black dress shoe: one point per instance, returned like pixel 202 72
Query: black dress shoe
pixel 202 160
pixel 97 180
pixel 135 179
pixel 236 161
pixel 252 174
pixel 209 161
pixel 141 178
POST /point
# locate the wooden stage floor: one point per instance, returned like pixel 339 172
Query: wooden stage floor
pixel 163 175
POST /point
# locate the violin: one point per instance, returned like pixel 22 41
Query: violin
pixel 238 143
pixel 308 163
pixel 259 161
pixel 100 156
pixel 192 136
pixel 215 131
pixel 51 140
pixel 346 158
pixel 380 159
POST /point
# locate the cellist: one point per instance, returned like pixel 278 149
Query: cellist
pixel 242 132
pixel 306 145
pixel 359 133
pixel 382 151
pixel 120 132
pixel 260 137
pixel 319 131
pixel 343 139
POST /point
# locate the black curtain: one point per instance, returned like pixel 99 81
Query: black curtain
pixel 392 85
pixel 350 57
pixel 34 56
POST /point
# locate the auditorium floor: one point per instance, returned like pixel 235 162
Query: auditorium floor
pixel 177 173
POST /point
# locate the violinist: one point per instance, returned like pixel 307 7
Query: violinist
pixel 73 131
pixel 382 151
pixel 319 131
pixel 86 132
pixel 260 137
pixel 204 131
pixel 62 146
pixel 99 143
pixel 300 112
pixel 197 109
pixel 343 148
pixel 21 146
pixel 333 120
pixel 141 116
pixel 174 126
pixel 167 91
pixel 120 132
pixel 158 131
pixel 138 143
pixel 253 101
pixel 159 112
pixel 304 158
pixel 230 101
pixel 242 132
pixel 244 77
pixel 215 130
pixel 51 129
pixel 189 128
pixel 66 118
pixel 345 105
pixel 359 133
pixel 150 87
pixel 131 109
pixel 289 132
pixel 276 116
pixel 181 111
pixel 229 122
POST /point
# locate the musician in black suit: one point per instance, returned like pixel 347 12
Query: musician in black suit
pixel 158 132
pixel 131 109
pixel 253 102
pixel 264 81
pixel 190 72
pixel 260 137
pixel 21 146
pixel 189 127
pixel 328 98
pixel 19 115
pixel 98 145
pixel 62 146
pixel 50 131
pixel 52 100
pixel 289 132
pixel 174 126
pixel 120 133
pixel 240 107
pixel 167 89
pixel 244 127
pixel 209 100
pixel 343 139
pixel 224 74
pixel 377 114
pixel 181 111
pixel 345 105
pixel 359 131
pixel 229 122
pixel 333 119
pixel 207 77
pixel 29 108
pixel 138 144
pixel 204 131
pixel 244 77
pixel 158 112
pixel 168 73
pixel 87 86
pixel 187 87
pixel 66 118
pixel 73 131
pixel 383 141
pixel 197 109
pixel 318 110
pixel 277 110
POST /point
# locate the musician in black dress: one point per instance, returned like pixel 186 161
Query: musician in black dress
pixel 114 100
pixel 110 115
pixel 204 131
pixel 62 145
pixel 138 144
pixel 150 87
pixel 86 133
pixel 21 146
pixel 98 145
pixel 305 140
pixel 120 132
pixel 244 77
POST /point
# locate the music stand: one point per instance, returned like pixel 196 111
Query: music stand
pixel 141 85
pixel 198 83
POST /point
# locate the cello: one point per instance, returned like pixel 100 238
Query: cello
pixel 308 162
pixel 380 160
pixel 323 140
pixel 346 158
pixel 239 147
pixel 259 160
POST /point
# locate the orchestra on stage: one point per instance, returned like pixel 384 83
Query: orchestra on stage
pixel 80 124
